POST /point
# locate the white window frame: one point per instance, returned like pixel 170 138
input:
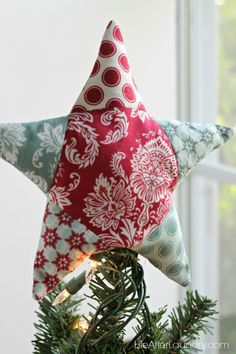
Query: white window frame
pixel 197 101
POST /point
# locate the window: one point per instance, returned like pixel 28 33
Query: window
pixel 227 194
pixel 207 201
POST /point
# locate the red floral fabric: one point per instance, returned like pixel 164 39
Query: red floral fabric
pixel 116 174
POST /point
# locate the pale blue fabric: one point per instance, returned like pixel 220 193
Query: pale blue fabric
pixel 34 148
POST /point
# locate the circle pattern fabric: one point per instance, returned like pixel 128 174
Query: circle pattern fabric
pixel 166 251
pixel 111 78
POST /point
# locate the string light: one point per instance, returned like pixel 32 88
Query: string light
pixel 72 287
pixel 75 284
pixel 63 296
pixel 93 268
pixel 83 325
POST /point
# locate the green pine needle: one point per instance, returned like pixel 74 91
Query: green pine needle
pixel 53 330
pixel 118 297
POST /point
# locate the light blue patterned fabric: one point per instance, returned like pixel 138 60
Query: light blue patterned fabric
pixel 34 148
pixel 164 248
pixel 192 142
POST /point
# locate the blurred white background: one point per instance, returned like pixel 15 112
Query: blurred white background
pixel 48 49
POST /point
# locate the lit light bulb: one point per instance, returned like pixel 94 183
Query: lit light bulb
pixel 83 325
pixel 75 323
pixel 75 284
pixel 63 296
pixel 95 264
pixel 93 268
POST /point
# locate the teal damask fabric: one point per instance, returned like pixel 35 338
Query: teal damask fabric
pixel 192 142
pixel 34 148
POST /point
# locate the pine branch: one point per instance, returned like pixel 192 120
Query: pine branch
pixel 54 333
pixel 189 320
pixel 120 292
pixel 118 296
pixel 145 342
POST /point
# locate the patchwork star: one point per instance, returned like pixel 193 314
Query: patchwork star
pixel 109 171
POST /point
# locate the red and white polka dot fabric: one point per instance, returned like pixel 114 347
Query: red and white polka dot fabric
pixel 111 83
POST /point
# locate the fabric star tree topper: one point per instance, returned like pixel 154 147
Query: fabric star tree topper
pixel 109 171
